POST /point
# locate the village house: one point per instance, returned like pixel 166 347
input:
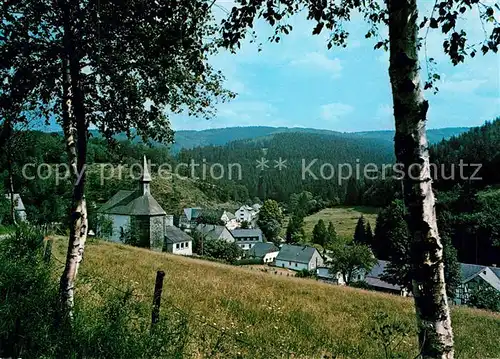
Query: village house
pixel 375 281
pixel 267 252
pixel 246 213
pixel 176 240
pixel 299 257
pixel 215 232
pixel 136 214
pixel 189 218
pixel 19 209
pixel 229 220
pixel 323 273
pixel 247 238
pixel 474 276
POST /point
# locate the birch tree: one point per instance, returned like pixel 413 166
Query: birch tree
pixel 410 110
pixel 116 65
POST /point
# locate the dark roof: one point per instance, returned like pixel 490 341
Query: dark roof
pixel 373 277
pixel 379 283
pixel 260 249
pixel 244 233
pixel 210 230
pixel 175 235
pixel 378 269
pixel 132 203
pixel 300 254
pixel 469 271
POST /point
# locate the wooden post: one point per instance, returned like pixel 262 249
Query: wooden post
pixel 157 297
pixel 48 250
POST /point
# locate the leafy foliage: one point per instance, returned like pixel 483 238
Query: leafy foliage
pixel 392 239
pixel 295 229
pixel 270 219
pixel 485 297
pixel 351 260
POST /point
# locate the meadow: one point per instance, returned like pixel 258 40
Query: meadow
pixel 236 312
pixel 343 218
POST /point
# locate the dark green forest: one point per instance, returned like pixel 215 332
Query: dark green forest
pixel 468 210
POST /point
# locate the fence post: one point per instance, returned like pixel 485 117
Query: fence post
pixel 48 250
pixel 157 297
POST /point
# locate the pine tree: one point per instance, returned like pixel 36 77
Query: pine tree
pixel 295 229
pixel 360 232
pixel 320 234
pixel 369 234
pixel 332 236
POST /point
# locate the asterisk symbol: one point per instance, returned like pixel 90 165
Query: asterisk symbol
pixel 280 164
pixel 262 164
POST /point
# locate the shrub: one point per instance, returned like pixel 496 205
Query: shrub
pixel 485 297
pixel 115 326
pixel 304 273
pixel 248 261
pixel 28 296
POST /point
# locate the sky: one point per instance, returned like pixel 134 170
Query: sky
pixel 299 83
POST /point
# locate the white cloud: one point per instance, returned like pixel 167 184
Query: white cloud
pixel 319 62
pixel 334 111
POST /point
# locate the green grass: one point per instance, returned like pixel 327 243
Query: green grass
pixel 343 218
pixel 277 314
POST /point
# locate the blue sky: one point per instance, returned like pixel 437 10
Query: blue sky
pixel 299 83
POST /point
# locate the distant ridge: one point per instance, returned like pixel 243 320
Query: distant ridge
pixel 188 139
pixel 222 136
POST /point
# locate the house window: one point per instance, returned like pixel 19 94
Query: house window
pixel 182 245
pixel 177 246
pixel 289 263
pixel 296 264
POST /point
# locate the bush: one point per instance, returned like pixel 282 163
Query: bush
pixel 28 296
pixel 248 261
pixel 485 297
pixel 304 273
pixel 114 326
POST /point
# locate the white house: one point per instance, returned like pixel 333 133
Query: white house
pixel 266 251
pixel 177 241
pixel 246 213
pixel 247 238
pixel 298 257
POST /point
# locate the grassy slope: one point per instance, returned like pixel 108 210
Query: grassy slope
pixel 276 313
pixel 187 193
pixel 343 218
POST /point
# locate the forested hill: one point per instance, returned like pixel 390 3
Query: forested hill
pixel 480 145
pixel 299 149
pixel 188 139
pixel 222 136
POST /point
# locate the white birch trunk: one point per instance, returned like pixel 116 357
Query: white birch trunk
pixel 410 110
pixel 76 148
